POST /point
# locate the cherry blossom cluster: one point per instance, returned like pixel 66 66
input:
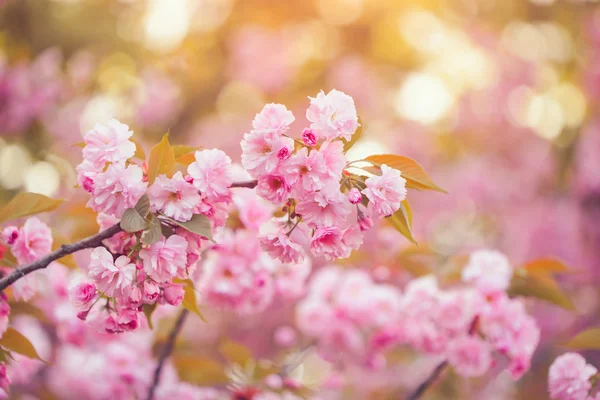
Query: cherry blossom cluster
pixel 473 327
pixel 571 378
pixel 328 209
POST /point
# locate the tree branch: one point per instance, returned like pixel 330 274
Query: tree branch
pixel 429 381
pixel 64 250
pixel 166 352
pixel 246 184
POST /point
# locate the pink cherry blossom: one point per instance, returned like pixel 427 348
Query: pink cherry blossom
pixel 111 277
pixel 212 174
pixel 308 137
pixel 108 143
pixel 279 245
pixel 10 235
pixel 117 189
pixel 333 158
pixel 273 118
pixel 4 379
pixel 327 242
pixel 261 151
pixel 328 207
pixel 469 356
pixel 82 292
pixel 166 258
pixel 173 294
pixel 175 197
pixel 274 188
pixel 354 196
pixel 307 171
pixel 489 271
pixel 332 115
pixel 34 240
pixel 385 192
pixel 569 377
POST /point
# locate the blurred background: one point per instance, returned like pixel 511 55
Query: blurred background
pixel 497 99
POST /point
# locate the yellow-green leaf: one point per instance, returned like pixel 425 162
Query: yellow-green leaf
pixel 199 224
pixel 139 150
pixel 79 144
pixel 25 204
pixel 132 221
pixel 162 160
pixel 189 298
pixel 181 150
pixel 234 352
pixel 355 137
pixel 153 233
pixel 586 340
pixel 58 240
pixel 148 311
pixel 199 370
pixel 402 221
pixel 546 266
pixel 541 288
pixel 12 340
pixel 412 171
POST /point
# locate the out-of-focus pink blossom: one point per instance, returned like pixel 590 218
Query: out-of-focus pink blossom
pixel 569 377
pixel 33 241
pixel 489 271
pixel 469 356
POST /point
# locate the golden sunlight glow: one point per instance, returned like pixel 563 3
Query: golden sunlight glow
pixel 42 177
pixel 14 160
pixel 423 97
pixel 166 24
pixel 340 12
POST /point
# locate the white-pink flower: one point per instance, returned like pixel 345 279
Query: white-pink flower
pixel 108 143
pixel 212 174
pixel 327 207
pixel 569 377
pixel 82 292
pixel 117 189
pixel 165 259
pixel 332 153
pixel 273 187
pixel 175 197
pixel 332 115
pixel 273 118
pixel 386 191
pixel 489 271
pixel 470 356
pixel 110 277
pixel 307 171
pixel 327 242
pixel 262 150
pixel 33 241
pixel 280 246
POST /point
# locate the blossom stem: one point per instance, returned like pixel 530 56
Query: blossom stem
pixel 166 351
pixel 293 227
pixel 64 250
pixel 429 381
pixel 246 184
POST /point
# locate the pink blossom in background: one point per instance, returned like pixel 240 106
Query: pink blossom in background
pixel 569 377
pixel 489 271
pixel 33 241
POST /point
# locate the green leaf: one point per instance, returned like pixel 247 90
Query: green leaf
pixel 355 137
pixel 162 160
pixel 199 224
pixel 25 204
pixel 402 221
pixel 132 221
pixel 148 311
pixel 153 233
pixel 235 353
pixel 199 370
pixel 143 206
pixel 412 171
pixel 189 297
pixel 586 340
pixel 14 341
pixel 542 288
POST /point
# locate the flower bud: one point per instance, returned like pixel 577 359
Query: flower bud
pixel 365 222
pixel 10 235
pixel 151 292
pixel 173 294
pixel 308 137
pixel 354 196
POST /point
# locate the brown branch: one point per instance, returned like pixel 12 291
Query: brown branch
pixel 440 368
pixel 166 352
pixel 64 250
pixel 246 184
pixel 429 381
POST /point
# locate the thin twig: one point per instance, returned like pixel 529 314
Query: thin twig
pixel 246 184
pixel 166 352
pixel 440 368
pixel 64 250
